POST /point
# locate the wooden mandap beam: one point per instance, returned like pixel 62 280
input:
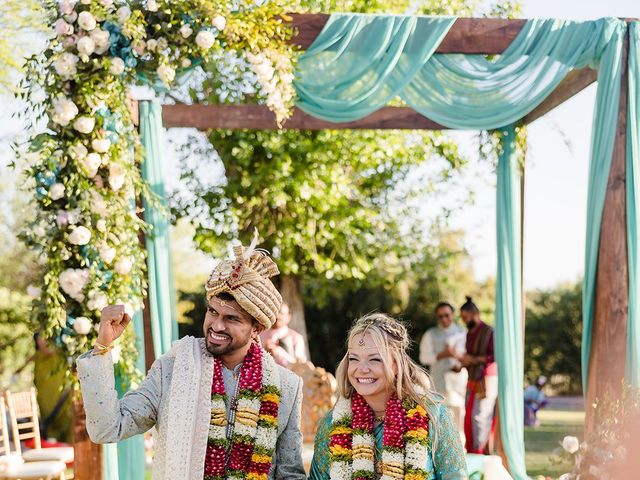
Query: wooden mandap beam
pixel 574 82
pixel 467 35
pixel 257 117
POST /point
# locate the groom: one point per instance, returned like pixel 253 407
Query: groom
pixel 221 405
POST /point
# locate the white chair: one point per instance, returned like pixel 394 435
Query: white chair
pixel 12 466
pixel 23 413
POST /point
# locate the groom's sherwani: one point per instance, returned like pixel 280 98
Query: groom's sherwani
pixel 175 397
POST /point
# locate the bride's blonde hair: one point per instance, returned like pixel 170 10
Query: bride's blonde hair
pixel 391 338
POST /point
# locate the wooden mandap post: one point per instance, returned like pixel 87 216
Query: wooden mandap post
pixel 609 329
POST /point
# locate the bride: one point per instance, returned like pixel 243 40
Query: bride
pixel 387 423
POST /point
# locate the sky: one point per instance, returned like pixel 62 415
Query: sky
pixel 555 176
pixel 556 172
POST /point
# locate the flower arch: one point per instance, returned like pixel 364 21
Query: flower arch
pixel 84 168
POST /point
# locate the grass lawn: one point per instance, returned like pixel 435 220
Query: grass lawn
pixel 541 441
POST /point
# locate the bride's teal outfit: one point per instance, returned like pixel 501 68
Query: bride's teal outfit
pixel 446 462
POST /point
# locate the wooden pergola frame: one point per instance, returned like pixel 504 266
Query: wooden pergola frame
pixel 475 36
pixel 467 35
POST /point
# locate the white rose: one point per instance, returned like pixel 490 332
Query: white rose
pixel 205 39
pixel 565 476
pixel 98 205
pixel 63 28
pixel 78 151
pixel 123 266
pixel 62 218
pixel 163 43
pixel 97 301
pixel 152 5
pixel 80 235
pixel 71 17
pixel 66 7
pixel 72 281
pixel 86 21
pixel 166 73
pixel 186 30
pixel 101 225
pixel 152 44
pixel 100 145
pixel 220 22
pixel 84 124
pixel 123 14
pixel 64 110
pixel 185 63
pixel 82 325
pixel 117 66
pixel 39 231
pixel 33 291
pixel 73 216
pixel 106 3
pixel 65 65
pixel 107 253
pixel 56 191
pixel 101 39
pixel 116 176
pixel 264 71
pixel 570 444
pixel 86 46
pixel 91 163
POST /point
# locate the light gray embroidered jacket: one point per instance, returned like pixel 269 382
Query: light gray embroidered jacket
pixel 110 420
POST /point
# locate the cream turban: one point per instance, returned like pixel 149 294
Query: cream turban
pixel 247 279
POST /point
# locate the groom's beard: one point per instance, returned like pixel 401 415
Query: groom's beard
pixel 471 324
pixel 231 345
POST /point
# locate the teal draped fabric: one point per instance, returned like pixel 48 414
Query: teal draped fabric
pixel 508 328
pixel 164 326
pixel 602 140
pixel 633 205
pixel 360 62
pixel 343 77
pixel 131 454
pixel 126 460
pixel 110 461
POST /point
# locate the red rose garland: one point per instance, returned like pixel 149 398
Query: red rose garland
pixel 249 451
pixel 352 443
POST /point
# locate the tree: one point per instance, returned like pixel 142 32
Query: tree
pixel 327 204
pixel 553 334
pixel 20 23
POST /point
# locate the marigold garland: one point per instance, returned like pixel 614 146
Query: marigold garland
pixel 249 452
pixel 352 442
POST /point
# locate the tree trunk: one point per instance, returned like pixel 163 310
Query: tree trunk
pixel 290 291
pixel 87 463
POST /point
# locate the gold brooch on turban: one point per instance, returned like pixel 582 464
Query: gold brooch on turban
pixel 246 278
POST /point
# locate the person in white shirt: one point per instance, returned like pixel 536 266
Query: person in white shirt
pixel 438 350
